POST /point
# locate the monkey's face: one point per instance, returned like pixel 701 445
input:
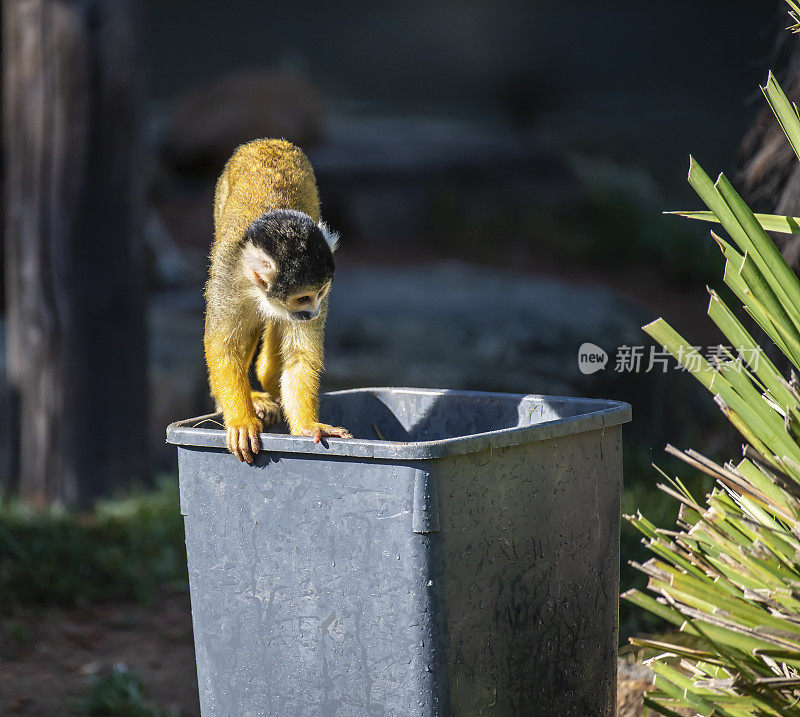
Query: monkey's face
pixel 289 262
pixel 305 305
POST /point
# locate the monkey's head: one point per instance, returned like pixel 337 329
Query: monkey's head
pixel 289 260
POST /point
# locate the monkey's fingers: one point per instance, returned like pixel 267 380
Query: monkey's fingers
pixel 245 445
pixel 232 440
pixel 321 430
pixel 337 432
pixel 243 441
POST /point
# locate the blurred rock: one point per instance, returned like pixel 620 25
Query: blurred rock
pixel 454 326
pixel 417 179
pixel 207 123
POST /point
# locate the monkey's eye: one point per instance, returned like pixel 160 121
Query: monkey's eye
pixel 303 299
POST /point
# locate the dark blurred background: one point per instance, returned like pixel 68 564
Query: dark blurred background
pixel 470 153
pixel 543 138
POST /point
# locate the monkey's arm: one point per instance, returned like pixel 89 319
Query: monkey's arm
pixel 228 357
pixel 268 372
pixel 302 364
pixel 268 361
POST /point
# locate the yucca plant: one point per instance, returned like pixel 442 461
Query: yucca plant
pixel 728 576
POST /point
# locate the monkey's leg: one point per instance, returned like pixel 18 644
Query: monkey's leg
pixel 302 365
pixel 228 364
pixel 268 371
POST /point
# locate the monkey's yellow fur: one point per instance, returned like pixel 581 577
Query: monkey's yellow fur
pixel 261 176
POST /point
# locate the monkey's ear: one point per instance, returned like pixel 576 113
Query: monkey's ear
pixel 261 265
pixel 331 236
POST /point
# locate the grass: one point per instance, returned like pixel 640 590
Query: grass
pixel 125 548
pixel 119 693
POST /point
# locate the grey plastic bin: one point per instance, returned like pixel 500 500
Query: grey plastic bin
pixel 459 556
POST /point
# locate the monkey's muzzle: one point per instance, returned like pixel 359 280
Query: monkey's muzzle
pixel 304 315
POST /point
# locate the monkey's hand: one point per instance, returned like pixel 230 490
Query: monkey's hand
pixel 242 438
pixel 266 407
pixel 318 431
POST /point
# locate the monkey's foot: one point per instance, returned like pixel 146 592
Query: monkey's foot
pixel 242 438
pixel 266 407
pixel 318 431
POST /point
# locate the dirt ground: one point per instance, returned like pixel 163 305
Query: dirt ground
pixel 51 668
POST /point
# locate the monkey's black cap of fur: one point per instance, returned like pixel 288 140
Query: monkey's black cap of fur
pixel 298 247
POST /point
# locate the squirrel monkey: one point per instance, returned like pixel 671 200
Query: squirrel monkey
pixel 270 276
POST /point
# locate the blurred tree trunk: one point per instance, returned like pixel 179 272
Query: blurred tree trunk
pixel 75 284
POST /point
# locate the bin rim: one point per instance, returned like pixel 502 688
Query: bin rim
pixel 608 414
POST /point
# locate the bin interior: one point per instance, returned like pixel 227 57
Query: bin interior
pixel 408 415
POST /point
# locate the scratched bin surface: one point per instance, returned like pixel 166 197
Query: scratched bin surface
pixel 459 556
